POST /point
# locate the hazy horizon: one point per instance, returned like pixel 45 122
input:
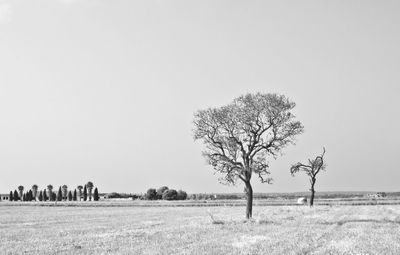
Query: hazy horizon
pixel 105 91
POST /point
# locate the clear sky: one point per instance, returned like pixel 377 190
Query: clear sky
pixel 105 90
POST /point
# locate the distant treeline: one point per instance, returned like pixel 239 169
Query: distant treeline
pixel 63 194
pixel 171 194
pixel 320 195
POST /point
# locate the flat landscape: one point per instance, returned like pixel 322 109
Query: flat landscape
pixel 372 229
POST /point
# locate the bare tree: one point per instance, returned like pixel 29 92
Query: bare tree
pixel 312 169
pixel 240 136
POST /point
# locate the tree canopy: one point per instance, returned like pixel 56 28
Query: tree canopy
pixel 241 135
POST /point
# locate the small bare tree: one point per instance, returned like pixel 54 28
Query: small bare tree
pixel 312 169
pixel 240 136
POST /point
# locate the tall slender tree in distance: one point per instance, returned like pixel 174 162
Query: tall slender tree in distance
pixel 29 195
pixel 16 196
pixel 11 196
pixel 69 196
pixel 34 191
pixel 64 192
pixel 79 192
pixel 75 196
pixel 96 195
pixel 89 187
pixel 59 194
pixel 84 193
pixel 40 198
pixel 50 189
pixel 21 191
pixel 45 197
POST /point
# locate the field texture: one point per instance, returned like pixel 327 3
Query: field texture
pixel 190 230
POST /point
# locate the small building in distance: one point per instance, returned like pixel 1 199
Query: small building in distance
pixel 4 197
pixel 377 195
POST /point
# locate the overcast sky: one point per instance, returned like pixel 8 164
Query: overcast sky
pixel 106 90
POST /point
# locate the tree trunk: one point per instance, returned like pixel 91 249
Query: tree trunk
pixel 249 205
pixel 312 195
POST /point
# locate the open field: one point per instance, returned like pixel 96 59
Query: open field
pixel 190 230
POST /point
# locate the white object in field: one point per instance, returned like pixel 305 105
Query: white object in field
pixel 302 201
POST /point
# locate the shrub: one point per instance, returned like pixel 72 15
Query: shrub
pixel 170 194
pixel 113 195
pixel 151 194
pixel 40 196
pixel 161 191
pixel 117 195
pixel 182 195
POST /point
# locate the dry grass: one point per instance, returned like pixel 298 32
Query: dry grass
pixel 189 230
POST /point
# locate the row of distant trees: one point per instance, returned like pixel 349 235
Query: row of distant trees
pixel 84 193
pixel 165 193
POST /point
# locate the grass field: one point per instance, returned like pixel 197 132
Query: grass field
pixel 190 230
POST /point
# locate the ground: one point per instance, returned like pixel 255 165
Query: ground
pixel 191 230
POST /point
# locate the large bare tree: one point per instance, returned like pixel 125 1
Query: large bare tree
pixel 312 169
pixel 241 136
